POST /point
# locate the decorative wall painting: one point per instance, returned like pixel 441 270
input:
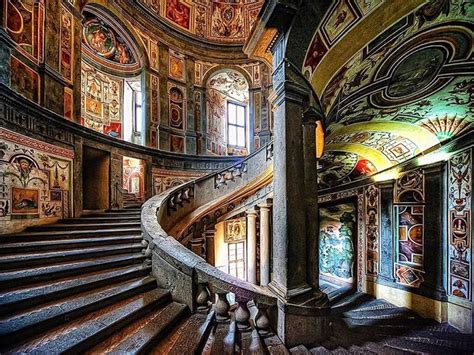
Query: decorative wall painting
pixel 25 201
pixel 177 144
pixel 176 107
pixel 177 66
pixel 235 230
pixel 179 13
pixel 338 243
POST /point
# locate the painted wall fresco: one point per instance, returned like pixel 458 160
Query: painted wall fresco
pixel 67 44
pixel 221 87
pixel 166 179
pixel 235 230
pixel 412 76
pixel 134 176
pixel 35 181
pixel 24 80
pixel 101 101
pixel 24 24
pixel 409 195
pixel 338 231
pixel 106 44
pixel 459 225
pixel 177 106
pixel 221 21
pixel 176 66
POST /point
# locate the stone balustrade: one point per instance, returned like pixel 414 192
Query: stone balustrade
pixel 188 276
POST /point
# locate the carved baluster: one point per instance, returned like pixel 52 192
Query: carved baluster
pixel 202 298
pixel 242 315
pixel 262 322
pixel 222 306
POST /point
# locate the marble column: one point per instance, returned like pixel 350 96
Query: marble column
pixel 385 275
pixel 264 243
pixel 252 246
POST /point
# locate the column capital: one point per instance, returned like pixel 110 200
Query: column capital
pixel 251 212
pixel 265 205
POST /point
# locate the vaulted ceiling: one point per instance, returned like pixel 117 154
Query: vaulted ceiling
pixel 395 79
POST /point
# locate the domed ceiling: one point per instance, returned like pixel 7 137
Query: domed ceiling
pixel 216 21
pixel 394 91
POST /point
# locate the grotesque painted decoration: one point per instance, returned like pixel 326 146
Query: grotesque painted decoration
pixel 66 56
pixel 372 208
pixel 459 224
pixel 101 101
pixel 105 43
pixel 177 144
pixel 35 180
pixel 337 243
pixel 222 87
pixel 409 194
pixel 216 20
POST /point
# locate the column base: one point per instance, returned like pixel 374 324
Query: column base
pixel 290 294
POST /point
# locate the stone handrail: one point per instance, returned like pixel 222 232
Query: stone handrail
pixel 188 276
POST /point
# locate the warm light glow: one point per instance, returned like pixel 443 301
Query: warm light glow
pixel 319 139
pixel 434 157
pixel 387 175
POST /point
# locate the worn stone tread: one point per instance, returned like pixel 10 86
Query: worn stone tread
pixel 28 322
pixel 11 278
pixel 66 233
pixel 77 226
pixel 143 340
pixel 91 331
pixel 189 337
pixel 48 257
pixel 27 297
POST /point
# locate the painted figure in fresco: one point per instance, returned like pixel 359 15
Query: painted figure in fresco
pixel 178 13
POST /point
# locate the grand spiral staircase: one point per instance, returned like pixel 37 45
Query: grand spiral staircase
pixel 85 285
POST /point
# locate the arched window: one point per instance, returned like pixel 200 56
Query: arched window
pixel 227 113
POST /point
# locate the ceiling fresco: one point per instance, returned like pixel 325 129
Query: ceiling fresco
pixel 222 21
pixel 408 89
pixel 107 44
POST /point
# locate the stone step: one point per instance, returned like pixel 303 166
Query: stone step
pixel 18 277
pixel 112 214
pixel 219 341
pixel 144 337
pixel 187 338
pixel 300 350
pixel 52 235
pixel 87 331
pixel 273 344
pixel 15 261
pixel 26 297
pixel 24 325
pixel 249 342
pixel 82 226
pixel 103 219
pixel 70 243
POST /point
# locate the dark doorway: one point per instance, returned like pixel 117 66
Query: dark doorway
pixel 95 179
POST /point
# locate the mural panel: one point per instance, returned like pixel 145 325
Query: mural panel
pixel 176 66
pixel 67 37
pixel 372 214
pixel 459 224
pixel 101 101
pixel 35 180
pixel 235 230
pixel 337 243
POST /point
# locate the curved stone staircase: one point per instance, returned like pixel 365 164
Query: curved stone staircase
pixel 84 286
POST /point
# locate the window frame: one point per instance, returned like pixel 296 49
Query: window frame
pixel 236 125
pixel 237 261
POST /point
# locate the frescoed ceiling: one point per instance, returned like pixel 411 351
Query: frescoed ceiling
pixel 403 88
pixel 216 21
